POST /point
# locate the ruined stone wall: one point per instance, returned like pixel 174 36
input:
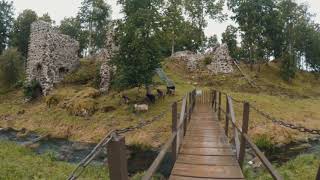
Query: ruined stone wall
pixel 107 69
pixel 221 60
pixel 51 55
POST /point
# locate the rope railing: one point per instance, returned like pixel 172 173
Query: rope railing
pixel 243 139
pixel 115 143
pixel 77 172
pixel 278 121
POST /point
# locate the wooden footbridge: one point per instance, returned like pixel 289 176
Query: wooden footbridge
pixel 199 144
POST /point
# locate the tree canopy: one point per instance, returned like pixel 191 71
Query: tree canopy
pixel 6 22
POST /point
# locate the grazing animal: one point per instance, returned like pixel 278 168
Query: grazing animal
pixel 151 98
pixel 161 94
pixel 141 107
pixel 125 99
pixel 171 91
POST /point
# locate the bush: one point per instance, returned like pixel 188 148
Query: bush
pixel 207 60
pixel 88 71
pixel 11 68
pixel 32 90
pixel 265 144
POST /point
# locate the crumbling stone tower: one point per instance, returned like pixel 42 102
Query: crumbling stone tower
pixel 51 55
pixel 107 69
pixel 221 60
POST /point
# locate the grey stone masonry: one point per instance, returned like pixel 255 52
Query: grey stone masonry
pixel 51 56
pixel 106 55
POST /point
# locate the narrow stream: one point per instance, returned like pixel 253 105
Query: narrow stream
pixel 73 152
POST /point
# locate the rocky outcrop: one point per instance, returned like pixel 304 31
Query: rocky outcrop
pixel 51 56
pixel 191 59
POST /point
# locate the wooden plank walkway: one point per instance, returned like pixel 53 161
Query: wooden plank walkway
pixel 205 152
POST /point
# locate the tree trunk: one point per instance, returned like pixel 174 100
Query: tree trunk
pixel 173 44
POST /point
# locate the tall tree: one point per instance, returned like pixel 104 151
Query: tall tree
pixel 94 17
pixel 21 31
pixel 6 21
pixel 139 45
pixel 230 38
pixel 199 10
pixel 72 27
pixel 173 20
pixel 253 18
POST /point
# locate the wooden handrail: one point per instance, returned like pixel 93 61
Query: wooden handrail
pixel 156 163
pixel 263 159
pixel 245 139
pixel 176 133
pixel 233 120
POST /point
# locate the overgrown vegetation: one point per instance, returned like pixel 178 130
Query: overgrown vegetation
pixel 17 162
pixel 11 68
pixel 302 167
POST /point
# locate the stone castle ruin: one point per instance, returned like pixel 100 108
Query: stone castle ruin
pixel 221 62
pixel 106 55
pixel 51 56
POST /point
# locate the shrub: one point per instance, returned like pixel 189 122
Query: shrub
pixel 11 68
pixel 265 144
pixel 207 60
pixel 88 71
pixel 32 90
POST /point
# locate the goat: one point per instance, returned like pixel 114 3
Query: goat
pixel 125 99
pixel 160 94
pixel 141 107
pixel 171 91
pixel 151 98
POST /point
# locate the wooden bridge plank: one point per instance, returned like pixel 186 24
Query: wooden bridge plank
pixel 194 144
pixel 205 152
pixel 204 171
pixel 208 160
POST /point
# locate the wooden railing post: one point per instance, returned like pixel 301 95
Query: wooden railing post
pixel 318 174
pixel 174 129
pixel 245 125
pixel 215 100
pixel 117 159
pixel 227 116
pixel 219 112
pixel 185 120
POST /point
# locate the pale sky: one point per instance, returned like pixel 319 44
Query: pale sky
pixel 58 9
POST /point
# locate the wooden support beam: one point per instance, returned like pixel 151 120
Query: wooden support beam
pixel 174 130
pixel 117 159
pixel 227 117
pixel 245 125
pixel 219 112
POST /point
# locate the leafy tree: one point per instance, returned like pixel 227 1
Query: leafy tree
pixel 72 27
pixel 230 38
pixel 46 18
pixel 199 10
pixel 21 31
pixel 6 19
pixel 11 67
pixel 94 17
pixel 139 45
pixel 212 41
pixel 173 21
pixel 252 16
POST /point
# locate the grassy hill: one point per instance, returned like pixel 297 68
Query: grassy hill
pixel 61 113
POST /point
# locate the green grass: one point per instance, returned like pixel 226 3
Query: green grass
pixel 301 168
pixel 21 163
